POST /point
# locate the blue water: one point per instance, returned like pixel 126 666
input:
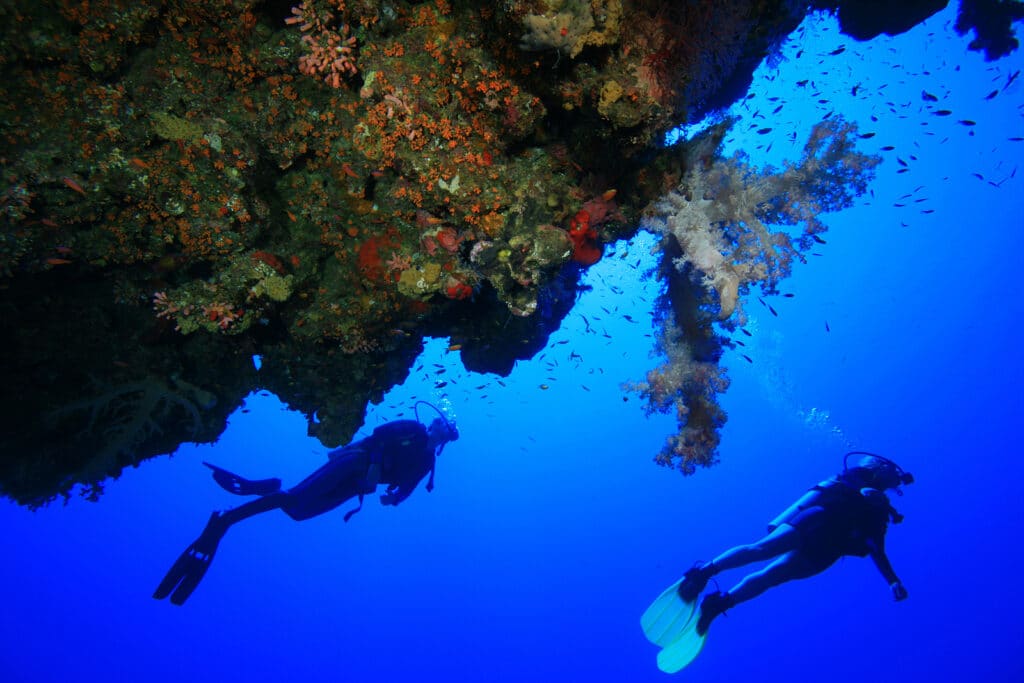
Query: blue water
pixel 550 530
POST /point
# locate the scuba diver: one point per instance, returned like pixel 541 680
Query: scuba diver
pixel 398 454
pixel 847 514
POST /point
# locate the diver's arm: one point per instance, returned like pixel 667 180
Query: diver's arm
pixel 396 494
pixel 373 470
pixel 877 551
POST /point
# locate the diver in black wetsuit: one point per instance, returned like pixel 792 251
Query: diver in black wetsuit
pixel 845 515
pixel 398 454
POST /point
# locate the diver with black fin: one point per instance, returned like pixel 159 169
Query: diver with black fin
pixel 845 515
pixel 397 454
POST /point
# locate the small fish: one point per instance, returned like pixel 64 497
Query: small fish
pixel 943 112
pixel 745 332
pixel 73 185
pixel 827 328
pixel 747 358
pixel 441 385
pixel 838 51
pixel 544 387
pixel 928 97
pixel 454 347
pixel 967 122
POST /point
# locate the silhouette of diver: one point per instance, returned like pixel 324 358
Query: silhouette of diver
pixel 847 514
pixel 398 454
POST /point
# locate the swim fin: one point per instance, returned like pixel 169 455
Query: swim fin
pixel 684 650
pixel 232 483
pixel 668 617
pixel 671 624
pixel 190 567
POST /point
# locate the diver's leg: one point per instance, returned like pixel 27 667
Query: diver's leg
pixel 786 568
pixel 783 539
pixel 255 507
pixel 791 565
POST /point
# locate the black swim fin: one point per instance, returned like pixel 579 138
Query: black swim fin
pixel 190 568
pixel 232 483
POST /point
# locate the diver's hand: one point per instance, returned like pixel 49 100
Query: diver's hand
pixel 899 592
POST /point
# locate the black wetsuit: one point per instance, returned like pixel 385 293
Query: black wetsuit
pixel 400 448
pixel 840 522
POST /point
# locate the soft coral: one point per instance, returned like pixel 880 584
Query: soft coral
pixel 585 249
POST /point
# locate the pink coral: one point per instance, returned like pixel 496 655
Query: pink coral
pixel 331 52
pixel 448 238
pixel 222 314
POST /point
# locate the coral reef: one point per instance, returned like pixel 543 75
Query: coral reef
pixel 331 181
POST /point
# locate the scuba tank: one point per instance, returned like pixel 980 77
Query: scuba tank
pixel 814 496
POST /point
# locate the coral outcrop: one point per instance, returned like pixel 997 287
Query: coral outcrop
pixel 186 184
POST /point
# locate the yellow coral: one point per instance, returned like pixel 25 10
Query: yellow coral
pixel 275 287
pixel 421 282
pixel 171 127
pixel 610 94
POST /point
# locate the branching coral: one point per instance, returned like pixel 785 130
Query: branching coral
pixel 119 420
pixel 722 208
pixel 688 386
pixel 717 244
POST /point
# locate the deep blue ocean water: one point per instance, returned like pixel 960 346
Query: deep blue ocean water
pixel 550 530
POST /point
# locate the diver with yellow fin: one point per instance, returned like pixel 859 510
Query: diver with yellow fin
pixel 847 514
pixel 398 454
